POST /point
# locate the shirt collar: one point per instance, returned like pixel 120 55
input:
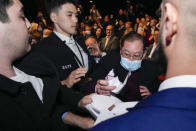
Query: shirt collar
pixel 179 81
pixel 64 38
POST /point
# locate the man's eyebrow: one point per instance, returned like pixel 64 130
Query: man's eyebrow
pixel 71 12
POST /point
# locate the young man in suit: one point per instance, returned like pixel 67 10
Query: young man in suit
pixel 173 107
pixel 68 53
pixel 30 102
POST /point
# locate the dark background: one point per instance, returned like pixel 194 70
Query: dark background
pixel 111 6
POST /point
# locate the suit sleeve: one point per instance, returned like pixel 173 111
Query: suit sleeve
pixel 105 65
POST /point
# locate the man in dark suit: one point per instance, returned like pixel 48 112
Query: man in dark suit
pixel 152 51
pixel 141 79
pixel 110 42
pixel 30 102
pixel 120 28
pixel 68 53
pixel 173 107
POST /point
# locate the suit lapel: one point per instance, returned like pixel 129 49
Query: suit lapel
pixel 60 44
pixel 109 43
pixel 103 43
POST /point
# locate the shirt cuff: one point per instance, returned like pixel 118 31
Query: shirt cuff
pixel 103 54
pixel 64 114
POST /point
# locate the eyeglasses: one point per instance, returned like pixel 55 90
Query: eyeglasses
pixel 109 29
pixel 135 56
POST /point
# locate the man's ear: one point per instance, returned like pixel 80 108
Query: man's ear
pixel 53 17
pixel 170 22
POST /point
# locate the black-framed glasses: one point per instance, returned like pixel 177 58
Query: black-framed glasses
pixel 136 56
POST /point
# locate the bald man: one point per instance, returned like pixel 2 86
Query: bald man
pixel 173 107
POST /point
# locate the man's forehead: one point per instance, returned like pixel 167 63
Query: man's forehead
pixel 69 7
pixel 92 40
pixel 135 43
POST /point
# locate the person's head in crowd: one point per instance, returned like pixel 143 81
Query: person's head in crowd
pixel 81 28
pixel 14 36
pixel 128 25
pixel 137 20
pixel 63 14
pixel 93 6
pixel 132 51
pixel 121 22
pixel 33 26
pixel 131 8
pixel 93 46
pixel 90 18
pixel 97 20
pixel 39 28
pixel 109 30
pixel 140 29
pixel 120 12
pixel 98 32
pixel 36 36
pixel 143 21
pixel 88 30
pixel 153 22
pixel 106 19
pixel 91 40
pixel 147 20
pixel 95 26
pixel 46 33
pixel 39 14
pixel 147 16
pixel 111 16
pixel 80 6
pixel 156 36
pixel 125 12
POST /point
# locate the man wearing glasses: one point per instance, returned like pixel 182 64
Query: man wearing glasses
pixel 138 77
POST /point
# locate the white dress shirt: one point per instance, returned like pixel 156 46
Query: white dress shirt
pixel 153 49
pixel 71 43
pixel 179 81
pixel 37 83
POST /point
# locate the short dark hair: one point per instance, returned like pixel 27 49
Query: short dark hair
pixel 4 4
pixel 91 36
pixel 132 36
pixel 55 5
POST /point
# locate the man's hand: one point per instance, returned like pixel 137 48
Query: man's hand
pixel 74 77
pixel 82 122
pixel 85 100
pixel 103 87
pixel 95 50
pixel 144 91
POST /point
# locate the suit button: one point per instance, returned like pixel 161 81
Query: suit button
pixel 23 91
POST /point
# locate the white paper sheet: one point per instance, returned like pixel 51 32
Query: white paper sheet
pixel 101 109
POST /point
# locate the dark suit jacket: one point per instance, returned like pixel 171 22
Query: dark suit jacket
pixel 20 107
pixel 147 76
pixel 113 44
pixel 120 31
pixel 60 54
pixel 57 99
pixel 168 110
